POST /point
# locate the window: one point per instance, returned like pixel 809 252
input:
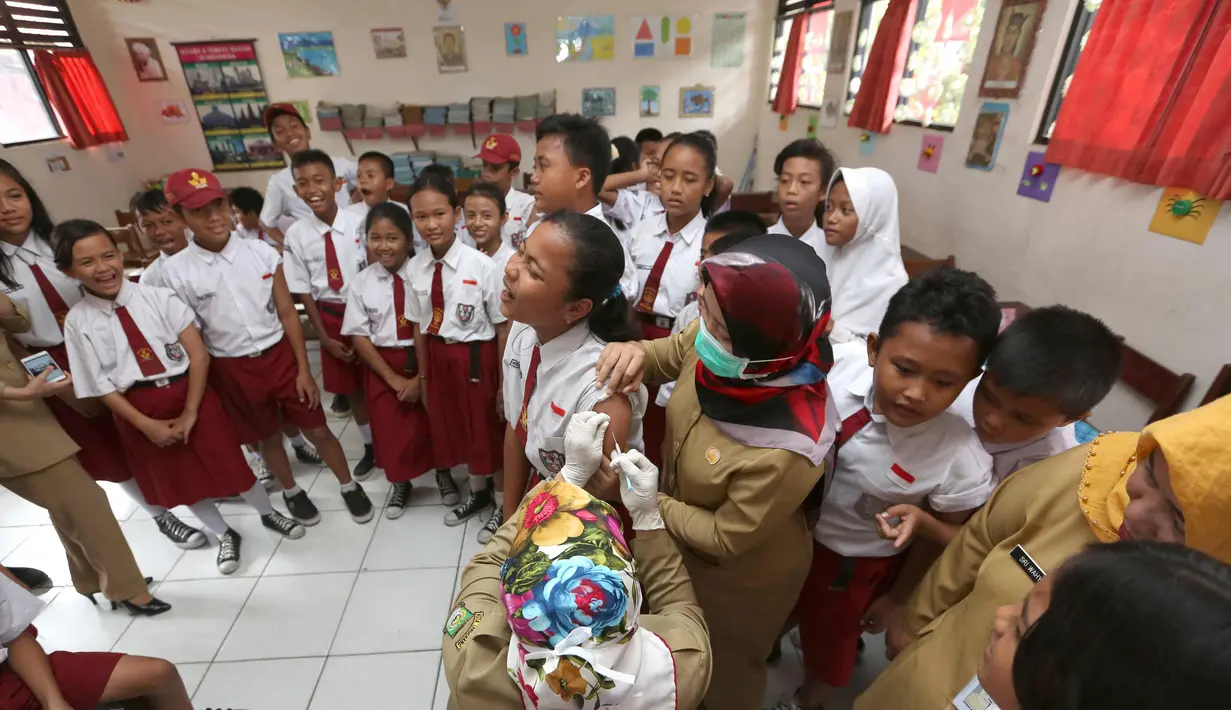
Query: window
pixel 1078 34
pixel 26 25
pixel 819 16
pixel 870 15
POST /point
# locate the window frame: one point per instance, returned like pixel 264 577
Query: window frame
pixel 789 10
pixel 863 22
pixel 42 95
pixel 1082 22
pixel 11 38
pixel 921 14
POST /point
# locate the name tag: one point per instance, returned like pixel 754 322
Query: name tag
pixel 1027 563
pixel 469 282
pixel 974 697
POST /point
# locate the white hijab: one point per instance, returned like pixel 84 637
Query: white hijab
pixel 866 272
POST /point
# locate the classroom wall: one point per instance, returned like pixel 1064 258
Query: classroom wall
pixel 1088 248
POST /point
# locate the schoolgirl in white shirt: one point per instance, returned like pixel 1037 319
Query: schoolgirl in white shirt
pixel 461 333
pixel 804 168
pixel 283 204
pixel 29 276
pixel 137 348
pixel 384 337
pixel 485 216
pixel 563 291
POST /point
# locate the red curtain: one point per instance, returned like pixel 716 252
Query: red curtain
pixel 77 93
pixel 882 74
pixel 786 100
pixel 1150 101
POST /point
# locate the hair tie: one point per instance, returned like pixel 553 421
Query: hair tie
pixel 614 292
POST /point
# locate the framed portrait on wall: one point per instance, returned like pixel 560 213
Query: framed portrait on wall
pixel 147 61
pixel 1016 30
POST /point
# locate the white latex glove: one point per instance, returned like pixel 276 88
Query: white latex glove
pixel 583 446
pixel 639 489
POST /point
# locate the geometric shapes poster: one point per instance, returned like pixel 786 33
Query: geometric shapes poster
pixel 660 36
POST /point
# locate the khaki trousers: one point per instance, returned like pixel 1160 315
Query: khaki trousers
pixel 99 558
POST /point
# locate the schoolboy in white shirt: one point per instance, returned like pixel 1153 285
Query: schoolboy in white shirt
pixel 501 156
pixel 246 205
pixel 259 359
pixel 804 168
pixel 897 445
pixel 163 227
pixel 375 184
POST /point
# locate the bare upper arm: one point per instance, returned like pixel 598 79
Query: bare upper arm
pixel 620 410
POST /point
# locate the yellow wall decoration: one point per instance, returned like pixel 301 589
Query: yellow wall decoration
pixel 1185 214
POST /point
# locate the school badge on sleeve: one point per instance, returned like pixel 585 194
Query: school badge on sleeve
pixel 457 619
pixel 553 461
pixel 175 352
pixel 465 313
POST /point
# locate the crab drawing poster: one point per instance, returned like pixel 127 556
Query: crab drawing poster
pixel 1185 214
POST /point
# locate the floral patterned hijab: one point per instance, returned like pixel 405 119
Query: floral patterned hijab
pixel 573 601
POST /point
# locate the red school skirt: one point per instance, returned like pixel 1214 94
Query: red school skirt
pixel 464 425
pixel 259 393
pixel 210 465
pixel 401 435
pixel 338 376
pixel 654 423
pixel 831 606
pixel 101 454
pixel 82 678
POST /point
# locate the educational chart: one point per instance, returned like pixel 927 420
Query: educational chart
pixel 727 50
pixel 589 38
pixel 661 36
pixel 309 54
pixel 228 94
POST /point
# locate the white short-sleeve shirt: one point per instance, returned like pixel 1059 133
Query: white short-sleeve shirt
pixel 501 259
pixel 939 461
pixel 232 292
pixel 103 361
pixel 814 237
pixel 304 253
pixel 361 210
pixel 633 206
pixel 18 609
pixel 1011 458
pixel 369 306
pixel 678 284
pixel 520 208
pixel 471 293
pixel 564 385
pixel 283 207
pixel 256 234
pixel 44 330
pixel 152 274
pixel 629 283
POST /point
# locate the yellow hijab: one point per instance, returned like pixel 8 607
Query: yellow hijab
pixel 1197 446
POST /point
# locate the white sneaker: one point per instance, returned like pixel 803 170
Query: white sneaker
pixel 262 474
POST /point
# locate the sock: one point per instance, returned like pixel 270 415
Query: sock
pixel 348 487
pixel 207 512
pixel 479 483
pixel 293 491
pixel 298 441
pixel 366 430
pixel 258 498
pixel 131 488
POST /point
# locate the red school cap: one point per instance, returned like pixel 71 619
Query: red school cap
pixel 193 188
pixel 273 111
pixel 499 148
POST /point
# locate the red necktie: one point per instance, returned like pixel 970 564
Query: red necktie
pixel 523 421
pixel 438 300
pixel 54 300
pixel 650 292
pixel 853 424
pixel 332 271
pixel 147 360
pixel 405 332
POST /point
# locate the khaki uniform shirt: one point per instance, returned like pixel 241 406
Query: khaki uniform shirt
pixel 953 609
pixel 30 438
pixel 475 658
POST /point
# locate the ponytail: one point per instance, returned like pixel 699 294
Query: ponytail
pixel 610 320
pixel 598 264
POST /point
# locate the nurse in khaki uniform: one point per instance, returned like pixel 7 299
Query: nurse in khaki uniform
pixel 549 613
pixel 37 463
pixel 1171 483
pixel 748 429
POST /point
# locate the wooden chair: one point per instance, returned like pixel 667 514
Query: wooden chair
pixel 1221 386
pixel 135 253
pixel 759 202
pixel 1161 386
pixel 916 262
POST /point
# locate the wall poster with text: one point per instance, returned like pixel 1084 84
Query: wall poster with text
pixel 228 94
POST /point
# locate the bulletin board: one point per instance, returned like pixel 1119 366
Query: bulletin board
pixel 228 93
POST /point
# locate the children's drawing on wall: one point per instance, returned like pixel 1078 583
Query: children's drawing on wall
pixel 309 54
pixel 929 153
pixel 989 129
pixel 444 15
pixel 1012 46
pixel 829 113
pixel 660 36
pixel 389 42
pixel 515 39
pixel 143 51
pixel 813 121
pixel 58 164
pixel 587 38
pixel 867 143
pixel 697 102
pixel 1184 214
pixel 727 48
pixel 450 49
pixel 598 102
pixel 650 96
pixel 1039 177
pixel 173 111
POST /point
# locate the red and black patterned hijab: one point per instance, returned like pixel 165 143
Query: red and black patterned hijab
pixel 774 297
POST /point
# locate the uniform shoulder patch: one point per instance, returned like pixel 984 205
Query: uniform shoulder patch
pixel 458 619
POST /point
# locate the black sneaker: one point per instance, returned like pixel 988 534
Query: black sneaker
pixel 398 501
pixel 283 525
pixel 182 536
pixel 228 551
pixel 33 579
pixel 475 504
pixel 340 407
pixel 307 453
pixel 358 504
pixel 301 507
pixel 493 524
pixel 448 487
pixel 367 464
